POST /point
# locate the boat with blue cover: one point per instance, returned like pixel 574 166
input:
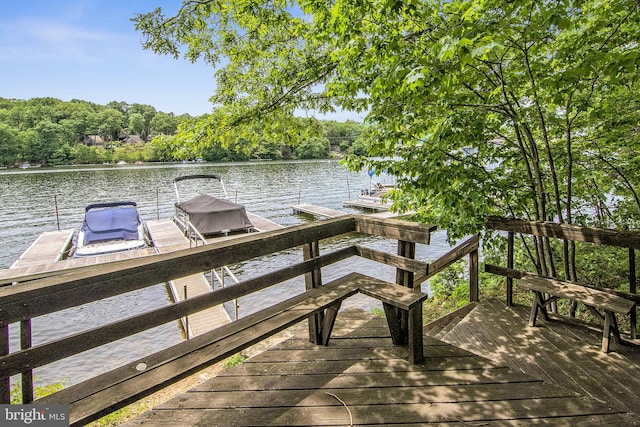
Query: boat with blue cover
pixel 110 227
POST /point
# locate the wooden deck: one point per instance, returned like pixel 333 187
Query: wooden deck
pixel 361 378
pixel 167 237
pixel 558 352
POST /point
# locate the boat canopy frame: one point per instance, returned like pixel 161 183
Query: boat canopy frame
pixel 198 176
pixel 209 215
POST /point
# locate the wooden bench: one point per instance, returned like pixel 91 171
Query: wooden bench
pixel 547 290
pixel 115 389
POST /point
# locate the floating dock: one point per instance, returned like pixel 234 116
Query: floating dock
pixel 328 213
pixel 263 224
pixel 45 258
pixel 317 211
pixel 380 207
pixel 49 247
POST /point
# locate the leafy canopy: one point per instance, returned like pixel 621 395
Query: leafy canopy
pixel 479 107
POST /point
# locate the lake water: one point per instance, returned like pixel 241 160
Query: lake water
pixel 28 208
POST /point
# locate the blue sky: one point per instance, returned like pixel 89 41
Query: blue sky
pixel 89 50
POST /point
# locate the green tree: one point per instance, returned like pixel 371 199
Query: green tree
pixel 477 107
pixel 43 140
pixel 342 135
pixel 163 123
pixel 147 112
pixel 10 144
pixel 136 123
pixel 111 122
pixel 313 148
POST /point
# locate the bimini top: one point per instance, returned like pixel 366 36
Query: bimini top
pixel 111 221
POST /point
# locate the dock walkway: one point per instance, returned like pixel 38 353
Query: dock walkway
pixel 263 224
pixel 328 213
pixel 167 237
pixel 381 207
pixel 49 247
pixel 43 258
pixel 318 211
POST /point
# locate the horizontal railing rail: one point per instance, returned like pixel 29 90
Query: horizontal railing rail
pixel 602 236
pixel 629 239
pixel 33 296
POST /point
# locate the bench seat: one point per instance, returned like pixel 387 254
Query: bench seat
pixel 115 389
pixel 596 299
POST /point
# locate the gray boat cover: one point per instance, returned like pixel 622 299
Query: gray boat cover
pixel 210 215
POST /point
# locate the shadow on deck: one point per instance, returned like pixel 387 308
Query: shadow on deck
pixel 525 377
pixel 557 352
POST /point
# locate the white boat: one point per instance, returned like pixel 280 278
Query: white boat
pixel 210 215
pixel 110 227
pixel 376 194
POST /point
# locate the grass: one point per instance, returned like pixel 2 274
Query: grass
pixel 378 312
pixel 234 360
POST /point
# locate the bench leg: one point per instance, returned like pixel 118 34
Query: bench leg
pixel 610 327
pixel 539 304
pixel 606 333
pixel 328 322
pixel 406 328
pixel 396 324
pixel 416 344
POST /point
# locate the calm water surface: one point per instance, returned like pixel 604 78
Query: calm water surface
pixel 28 208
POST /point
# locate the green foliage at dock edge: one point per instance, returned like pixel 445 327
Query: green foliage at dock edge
pixel 524 108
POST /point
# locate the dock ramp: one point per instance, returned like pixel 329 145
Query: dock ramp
pixel 167 237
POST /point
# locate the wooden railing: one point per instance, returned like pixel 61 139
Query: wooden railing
pixel 565 232
pixel 62 290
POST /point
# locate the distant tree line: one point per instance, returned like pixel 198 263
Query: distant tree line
pixel 51 132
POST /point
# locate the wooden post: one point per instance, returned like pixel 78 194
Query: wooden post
pixel 416 345
pixel 27 377
pixel 5 384
pixel 474 293
pixel 186 318
pixel 313 279
pixel 398 319
pixel 407 250
pixel 510 265
pixel 633 288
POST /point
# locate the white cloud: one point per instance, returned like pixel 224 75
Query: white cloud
pixel 37 40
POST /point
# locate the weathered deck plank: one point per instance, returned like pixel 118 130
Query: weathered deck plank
pixel 557 352
pixel 363 379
